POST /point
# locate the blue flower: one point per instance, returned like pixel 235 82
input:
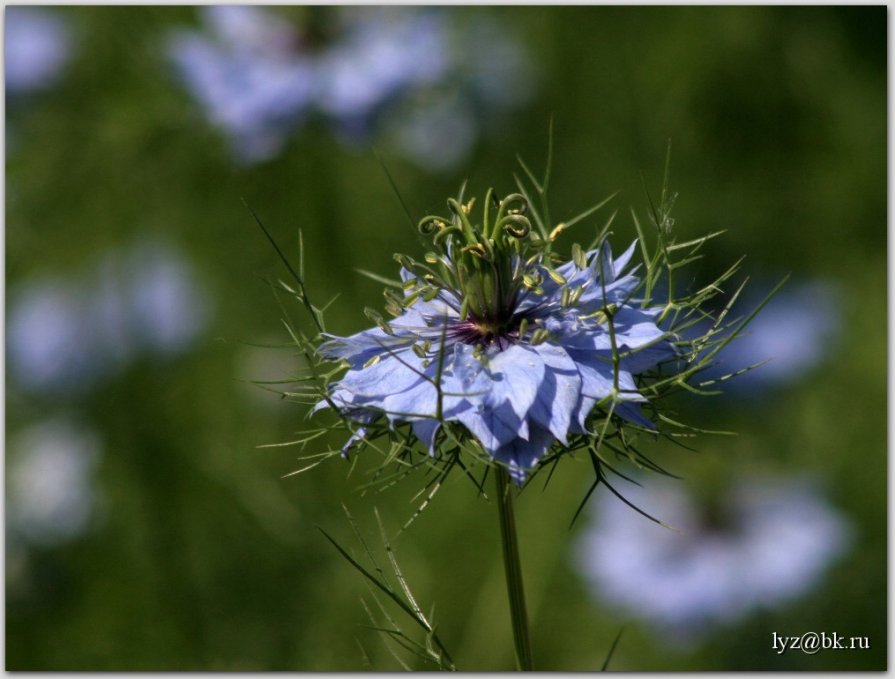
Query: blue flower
pixel 420 79
pixel 517 352
pixel 67 334
pixel 38 44
pixel 760 542
pixel 249 76
pixel 382 56
pixel 795 332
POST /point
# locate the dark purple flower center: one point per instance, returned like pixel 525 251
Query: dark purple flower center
pixel 498 331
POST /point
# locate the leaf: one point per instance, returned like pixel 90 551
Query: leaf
pixel 407 603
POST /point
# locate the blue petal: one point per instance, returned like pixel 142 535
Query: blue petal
pixel 596 385
pixel 645 358
pixel 425 431
pixel 596 375
pixel 356 349
pixel 598 294
pixel 563 323
pixel 636 327
pixel 391 375
pixel 592 339
pixel 355 437
pixel 359 348
pixel 493 427
pixel 362 418
pixel 579 416
pixel 465 372
pixel 444 306
pixel 516 375
pixel 622 260
pixel 559 394
pixel 521 456
pixel 409 324
pixel 421 400
pixel 632 413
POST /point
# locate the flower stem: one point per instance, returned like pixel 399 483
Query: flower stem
pixel 513 569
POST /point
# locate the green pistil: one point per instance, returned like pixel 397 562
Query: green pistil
pixel 479 267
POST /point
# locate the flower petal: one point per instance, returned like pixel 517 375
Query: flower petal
pixel 596 375
pixel 622 260
pixel 516 375
pixel 421 400
pixel 359 348
pixel 640 360
pixel 392 374
pixel 425 431
pixel 521 456
pixel 559 394
pixel 494 427
pixel 636 327
pixel 632 413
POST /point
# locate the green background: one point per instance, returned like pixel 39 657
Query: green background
pixel 205 558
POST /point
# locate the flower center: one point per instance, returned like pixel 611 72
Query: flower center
pixel 488 262
pixel 485 332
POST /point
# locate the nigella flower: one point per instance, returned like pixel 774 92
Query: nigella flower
pixel 796 331
pixel 760 543
pixel 493 337
pixel 383 55
pixel 430 85
pixel 66 334
pixel 249 76
pixel 38 44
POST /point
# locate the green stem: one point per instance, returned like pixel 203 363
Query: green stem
pixel 513 568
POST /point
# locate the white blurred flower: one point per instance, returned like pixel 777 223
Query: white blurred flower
pixel 37 44
pixel 768 542
pixel 50 482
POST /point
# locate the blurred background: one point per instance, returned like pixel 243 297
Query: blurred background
pixel 146 529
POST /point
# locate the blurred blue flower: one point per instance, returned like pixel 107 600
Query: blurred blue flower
pixel 248 75
pixel 428 80
pixel 767 542
pixel 169 309
pixel 517 380
pixel 67 334
pixel 37 44
pixel 49 339
pixel 490 74
pixel 793 333
pixel 437 134
pixel 382 54
pixel 428 84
